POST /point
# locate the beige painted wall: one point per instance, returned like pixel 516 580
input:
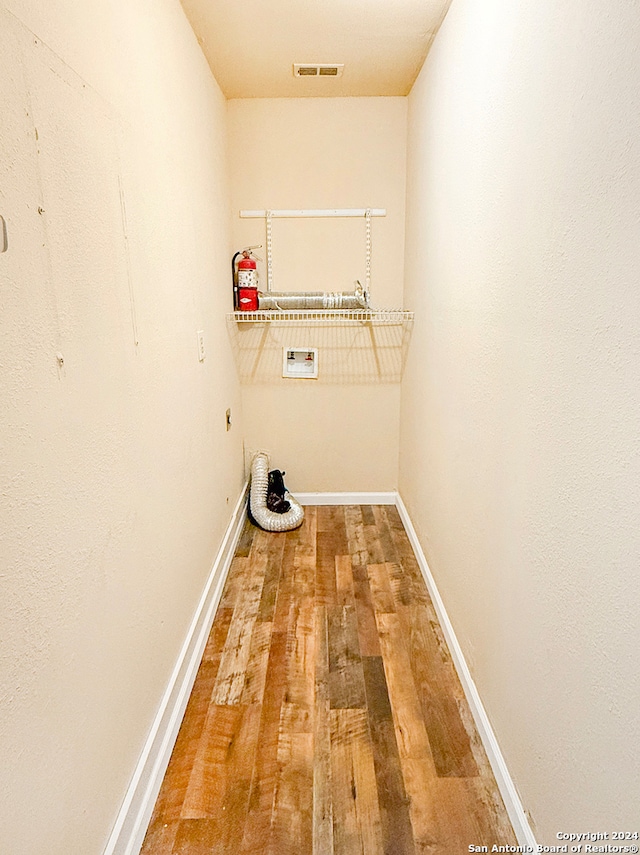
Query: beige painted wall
pixel 520 440
pixel 339 432
pixel 117 478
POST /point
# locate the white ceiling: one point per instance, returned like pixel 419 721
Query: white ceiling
pixel 251 45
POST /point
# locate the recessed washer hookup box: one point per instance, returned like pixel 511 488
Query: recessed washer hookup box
pixel 300 362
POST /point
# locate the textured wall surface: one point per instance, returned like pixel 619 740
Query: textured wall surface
pixel 520 424
pixel 339 432
pixel 117 477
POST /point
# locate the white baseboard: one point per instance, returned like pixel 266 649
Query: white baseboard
pixel 133 818
pixel 346 498
pixel 507 788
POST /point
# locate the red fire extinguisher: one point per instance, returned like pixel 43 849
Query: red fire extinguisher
pixel 245 280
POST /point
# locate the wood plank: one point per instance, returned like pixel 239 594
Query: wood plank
pixel 196 837
pixel 421 789
pixel 346 678
pixel 436 681
pixel 330 518
pixel 466 812
pixel 322 800
pixel 218 635
pixel 245 540
pixel 406 556
pixel 325 518
pixel 397 834
pixel 374 547
pixel 327 551
pixel 356 539
pixel 307 534
pixel 292 824
pixel 367 629
pixel 292 814
pixel 372 536
pixel 356 827
pixel 306 557
pixel 418 769
pixel 300 670
pixel 224 762
pixel 384 535
pixel 381 595
pixel 267 607
pixel 402 586
pixel 367 515
pixel 449 741
pixel 344 581
pixel 256 670
pixel 298 568
pixel 286 594
pixel 407 713
pixel 440 693
pixel 234 582
pixel 392 516
pixel 441 697
pixel 160 837
pixel 168 806
pixel 240 763
pixel 231 676
pixel 258 824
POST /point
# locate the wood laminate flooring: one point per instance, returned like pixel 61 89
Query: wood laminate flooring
pixel 326 716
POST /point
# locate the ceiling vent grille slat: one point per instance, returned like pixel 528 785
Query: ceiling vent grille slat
pixel 324 69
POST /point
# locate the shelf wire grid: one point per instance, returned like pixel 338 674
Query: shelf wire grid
pixel 328 316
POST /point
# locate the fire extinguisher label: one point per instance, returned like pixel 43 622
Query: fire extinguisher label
pixel 247 279
pixel 248 300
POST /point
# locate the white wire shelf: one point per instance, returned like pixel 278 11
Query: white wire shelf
pixel 323 316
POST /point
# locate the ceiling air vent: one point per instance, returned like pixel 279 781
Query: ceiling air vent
pixel 324 69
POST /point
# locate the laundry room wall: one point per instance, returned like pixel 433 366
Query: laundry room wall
pixel 520 421
pixel 339 432
pixel 117 475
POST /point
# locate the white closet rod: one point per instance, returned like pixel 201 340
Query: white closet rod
pixel 328 212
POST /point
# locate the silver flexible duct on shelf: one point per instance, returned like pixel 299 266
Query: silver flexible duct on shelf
pixel 286 300
pixel 266 519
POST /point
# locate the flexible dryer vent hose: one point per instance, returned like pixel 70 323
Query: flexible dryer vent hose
pixel 284 301
pixel 266 519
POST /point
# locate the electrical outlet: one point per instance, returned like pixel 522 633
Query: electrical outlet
pixel 201 353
